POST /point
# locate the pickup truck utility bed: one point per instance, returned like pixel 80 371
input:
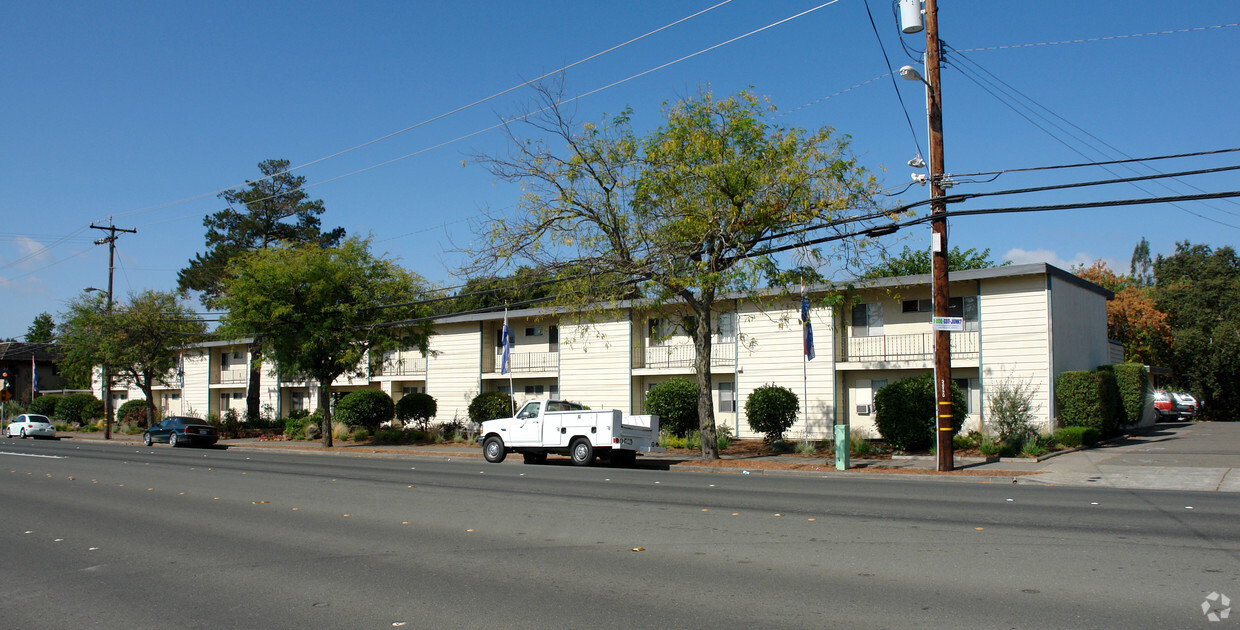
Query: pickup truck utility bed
pixel 544 427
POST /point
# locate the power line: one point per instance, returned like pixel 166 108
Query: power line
pixel 891 74
pixel 1101 39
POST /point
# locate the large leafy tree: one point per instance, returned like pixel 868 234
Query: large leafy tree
pixel 316 312
pixel 693 209
pixel 42 329
pixel 1133 319
pixel 269 211
pixel 912 262
pixel 1198 287
pixel 140 340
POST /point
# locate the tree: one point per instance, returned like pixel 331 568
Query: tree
pixel 1142 269
pixel 697 207
pixel 42 329
pixel 675 402
pixel 771 410
pixel 490 405
pixel 1199 289
pixel 366 408
pixel 1132 317
pixel 141 341
pixel 912 262
pixel 314 309
pixel 275 211
pixel 418 407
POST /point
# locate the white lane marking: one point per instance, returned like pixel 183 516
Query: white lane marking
pixel 32 455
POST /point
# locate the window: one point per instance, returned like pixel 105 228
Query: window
pixel 553 334
pixel 298 401
pixel 236 354
pixel 224 360
pixel 965 307
pixel 503 388
pixel 554 391
pixel 406 390
pixel 727 396
pixel 918 306
pixel 654 328
pixel 238 396
pixel 963 384
pixel 867 320
pixel 530 410
pixel 726 325
pixel 533 390
pixel 499 338
pixel 533 331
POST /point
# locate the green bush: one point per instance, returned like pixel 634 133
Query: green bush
pixel 1132 380
pixel 44 405
pixel 723 437
pixel 1088 399
pixel 295 427
pixel 418 408
pixel 675 401
pixel 134 412
pixel 771 410
pixel 79 408
pixel 366 408
pixel 361 435
pixel 489 406
pixel 905 413
pixel 1072 437
pixel 1011 412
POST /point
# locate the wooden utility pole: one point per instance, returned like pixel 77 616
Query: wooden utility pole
pixel 938 244
pixel 110 239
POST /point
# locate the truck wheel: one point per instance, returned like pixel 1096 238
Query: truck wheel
pixel 535 458
pixel 493 449
pixel 582 453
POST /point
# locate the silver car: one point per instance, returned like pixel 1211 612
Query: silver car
pixel 30 425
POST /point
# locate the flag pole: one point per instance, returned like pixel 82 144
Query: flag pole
pixel 805 341
pixel 504 369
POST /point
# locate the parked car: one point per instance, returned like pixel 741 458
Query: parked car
pixel 1186 404
pixel 1165 406
pixel 31 425
pixel 177 430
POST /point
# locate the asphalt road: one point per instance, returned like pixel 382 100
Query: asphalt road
pixel 122 536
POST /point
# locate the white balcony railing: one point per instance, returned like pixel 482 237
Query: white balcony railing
pixel 681 356
pixel 519 362
pixel 415 366
pixel 915 347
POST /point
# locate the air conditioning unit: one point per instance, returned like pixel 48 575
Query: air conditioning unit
pixel 865 410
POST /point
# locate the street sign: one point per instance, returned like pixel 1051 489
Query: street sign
pixel 5 395
pixel 950 324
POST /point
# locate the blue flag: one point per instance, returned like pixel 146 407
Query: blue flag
pixel 806 328
pixel 503 365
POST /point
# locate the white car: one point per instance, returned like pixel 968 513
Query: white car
pixel 30 425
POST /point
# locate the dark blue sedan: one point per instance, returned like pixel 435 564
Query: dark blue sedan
pixel 177 430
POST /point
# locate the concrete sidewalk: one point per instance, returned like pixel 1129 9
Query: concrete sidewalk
pixel 1202 456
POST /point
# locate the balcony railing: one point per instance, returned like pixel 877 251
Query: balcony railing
pixel 519 362
pixel 399 367
pixel 915 347
pixel 681 356
pixel 234 377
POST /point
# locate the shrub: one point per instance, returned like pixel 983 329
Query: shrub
pixel 1011 412
pixel 489 406
pixel 79 408
pixel 44 405
pixel 962 442
pixel 418 408
pixel 987 446
pixel 295 425
pixel 772 410
pixel 361 435
pixel 723 437
pixel 366 408
pixel 1072 437
pixel 1088 399
pixel 134 412
pixel 675 401
pixel 230 422
pixel 1132 381
pixel 905 413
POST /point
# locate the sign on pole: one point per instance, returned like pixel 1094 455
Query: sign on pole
pixel 950 324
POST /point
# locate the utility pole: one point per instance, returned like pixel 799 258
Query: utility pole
pixel 110 239
pixel 938 244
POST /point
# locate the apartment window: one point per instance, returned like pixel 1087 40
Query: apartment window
pixel 224 360
pixel 503 388
pixel 726 325
pixel 533 331
pixel 533 390
pixel 963 384
pixel 654 328
pixel 406 390
pixel 225 402
pixel 965 307
pixel 553 334
pixel 554 391
pixel 867 320
pixel 298 401
pixel 918 306
pixel 727 396
pixel 236 354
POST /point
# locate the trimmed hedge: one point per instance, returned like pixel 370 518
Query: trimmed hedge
pixel 489 406
pixel 79 408
pixel 905 413
pixel 772 410
pixel 367 408
pixel 1072 437
pixel 418 407
pixel 1132 381
pixel 675 402
pixel 1089 399
pixel 44 405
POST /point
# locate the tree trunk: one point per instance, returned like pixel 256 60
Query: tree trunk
pixel 252 411
pixel 701 367
pixel 325 409
pixel 148 391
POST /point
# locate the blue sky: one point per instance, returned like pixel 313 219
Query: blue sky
pixel 141 111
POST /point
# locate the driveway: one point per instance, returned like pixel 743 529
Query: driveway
pixel 1203 456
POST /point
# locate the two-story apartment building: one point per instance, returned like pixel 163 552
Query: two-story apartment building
pixel 1022 323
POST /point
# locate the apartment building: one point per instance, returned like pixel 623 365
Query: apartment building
pixel 1023 323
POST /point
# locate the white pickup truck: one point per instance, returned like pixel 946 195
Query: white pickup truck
pixel 566 428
